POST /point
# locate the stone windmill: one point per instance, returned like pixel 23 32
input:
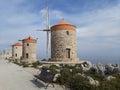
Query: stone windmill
pixel 29 50
pixel 63 40
pixel 17 51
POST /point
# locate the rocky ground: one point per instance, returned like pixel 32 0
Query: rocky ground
pixel 14 77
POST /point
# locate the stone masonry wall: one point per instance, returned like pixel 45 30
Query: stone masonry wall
pixel 29 48
pixel 60 41
pixel 17 50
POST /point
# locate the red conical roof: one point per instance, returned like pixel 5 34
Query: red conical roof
pixel 63 25
pixel 17 44
pixel 29 39
pixel 63 22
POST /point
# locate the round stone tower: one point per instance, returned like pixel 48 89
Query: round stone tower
pixel 17 50
pixel 29 50
pixel 63 42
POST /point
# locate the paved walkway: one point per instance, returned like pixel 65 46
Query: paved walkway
pixel 14 77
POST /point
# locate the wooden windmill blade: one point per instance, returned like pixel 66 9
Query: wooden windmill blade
pixel 43 30
pixel 47 28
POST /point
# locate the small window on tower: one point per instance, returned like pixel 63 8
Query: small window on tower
pixel 68 52
pixel 27 44
pixel 67 32
pixel 27 55
pixel 16 47
pixel 16 54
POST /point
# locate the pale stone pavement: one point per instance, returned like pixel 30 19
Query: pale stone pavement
pixel 14 77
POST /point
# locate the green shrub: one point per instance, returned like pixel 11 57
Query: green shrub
pixel 70 79
pixel 24 64
pixel 53 69
pixel 64 77
pixel 36 64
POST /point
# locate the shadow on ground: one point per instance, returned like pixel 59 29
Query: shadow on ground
pixel 38 83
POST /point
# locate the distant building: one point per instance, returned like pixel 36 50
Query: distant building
pixel 6 53
pixel 63 42
pixel 17 50
pixel 29 50
pixel 1 56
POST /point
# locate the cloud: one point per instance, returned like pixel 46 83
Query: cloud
pixel 105 21
pixel 103 25
pixel 17 22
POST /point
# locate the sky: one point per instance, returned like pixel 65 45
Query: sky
pixel 97 22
